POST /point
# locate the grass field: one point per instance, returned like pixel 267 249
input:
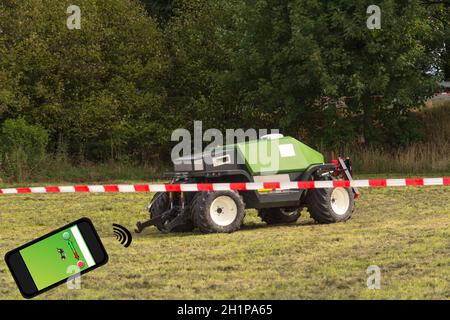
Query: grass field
pixel 404 231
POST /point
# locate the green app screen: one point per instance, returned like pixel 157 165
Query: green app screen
pixel 57 257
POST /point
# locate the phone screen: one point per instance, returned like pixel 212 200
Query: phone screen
pixel 48 261
pixel 52 259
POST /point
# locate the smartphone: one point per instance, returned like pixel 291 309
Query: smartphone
pixel 49 261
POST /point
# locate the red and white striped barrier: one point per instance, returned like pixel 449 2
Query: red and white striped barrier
pixel 381 96
pixel 231 186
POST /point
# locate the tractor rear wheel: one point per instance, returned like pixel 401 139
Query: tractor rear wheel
pixel 220 212
pixel 160 204
pixel 330 205
pixel 279 215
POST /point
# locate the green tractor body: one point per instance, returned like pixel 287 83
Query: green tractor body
pixel 289 155
pixel 269 159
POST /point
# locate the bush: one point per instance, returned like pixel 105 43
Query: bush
pixel 96 90
pixel 22 148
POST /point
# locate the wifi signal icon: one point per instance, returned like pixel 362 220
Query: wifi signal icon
pixel 122 235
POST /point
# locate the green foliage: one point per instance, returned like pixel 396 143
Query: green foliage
pixel 18 134
pixel 97 89
pixel 197 58
pixel 296 59
pixel 115 90
pixel 160 9
pixel 439 14
pixel 22 147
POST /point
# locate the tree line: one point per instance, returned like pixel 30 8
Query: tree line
pixel 137 70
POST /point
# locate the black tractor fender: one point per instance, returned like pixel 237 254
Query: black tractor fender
pixel 315 170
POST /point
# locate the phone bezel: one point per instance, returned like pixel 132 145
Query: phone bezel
pixel 15 262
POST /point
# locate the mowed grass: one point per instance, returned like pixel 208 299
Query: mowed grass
pixel 404 231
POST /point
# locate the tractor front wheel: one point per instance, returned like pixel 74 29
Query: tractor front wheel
pixel 279 215
pixel 221 212
pixel 330 205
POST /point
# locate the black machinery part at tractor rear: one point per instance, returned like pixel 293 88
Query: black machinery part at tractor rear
pixel 176 214
pixel 165 222
pixel 157 222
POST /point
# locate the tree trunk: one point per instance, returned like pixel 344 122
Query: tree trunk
pixel 446 59
pixel 367 120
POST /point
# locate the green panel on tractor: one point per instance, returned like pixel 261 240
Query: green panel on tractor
pixel 282 155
